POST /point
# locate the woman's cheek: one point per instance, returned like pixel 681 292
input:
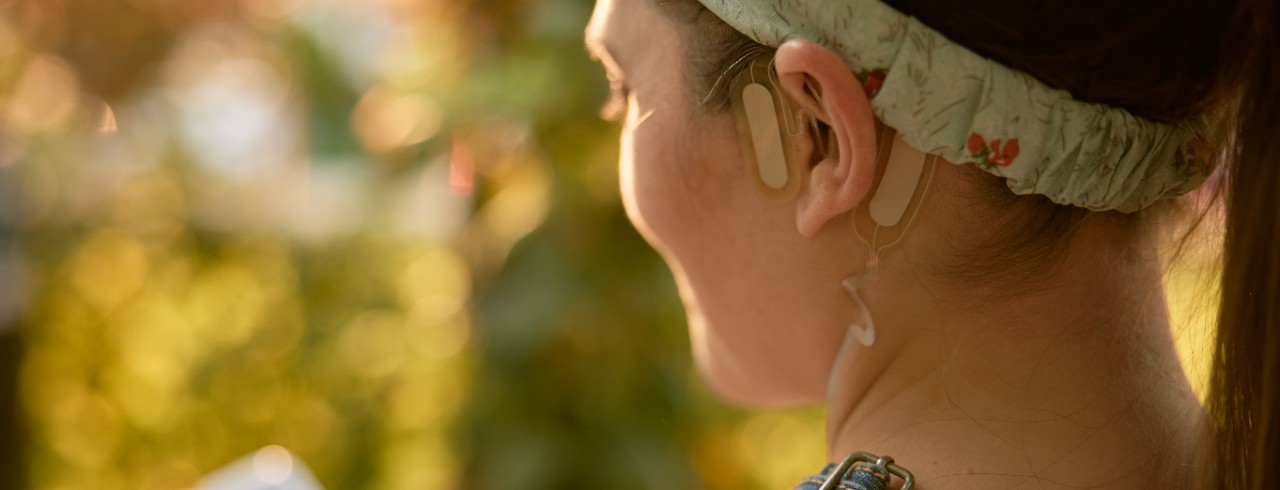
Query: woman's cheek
pixel 653 190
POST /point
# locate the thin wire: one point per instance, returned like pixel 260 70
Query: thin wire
pixel 865 333
pixel 933 168
pixel 881 144
pixel 875 252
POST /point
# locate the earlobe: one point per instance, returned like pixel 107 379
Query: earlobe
pixel 818 80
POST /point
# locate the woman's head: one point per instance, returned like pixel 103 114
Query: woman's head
pixel 761 279
pixel 734 253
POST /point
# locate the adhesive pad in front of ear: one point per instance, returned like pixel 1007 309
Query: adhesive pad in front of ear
pixel 766 137
pixel 898 185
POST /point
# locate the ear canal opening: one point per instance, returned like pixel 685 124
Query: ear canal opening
pixel 811 88
pixel 823 142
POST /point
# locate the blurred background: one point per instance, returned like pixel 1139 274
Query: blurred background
pixel 383 235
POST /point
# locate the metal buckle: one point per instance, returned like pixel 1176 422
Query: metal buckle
pixel 885 462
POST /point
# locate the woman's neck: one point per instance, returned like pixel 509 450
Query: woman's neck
pixel 1077 385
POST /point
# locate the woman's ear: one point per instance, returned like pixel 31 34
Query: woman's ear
pixel 821 82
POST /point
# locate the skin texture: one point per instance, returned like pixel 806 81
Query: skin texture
pixel 1070 383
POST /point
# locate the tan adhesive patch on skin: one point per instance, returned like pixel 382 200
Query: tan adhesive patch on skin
pixel 766 139
pixel 901 176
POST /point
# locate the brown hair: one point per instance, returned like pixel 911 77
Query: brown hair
pixel 1244 383
pixel 1163 61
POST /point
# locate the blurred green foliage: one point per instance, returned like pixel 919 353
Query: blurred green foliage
pixel 384 235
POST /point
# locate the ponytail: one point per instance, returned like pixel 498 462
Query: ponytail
pixel 1244 386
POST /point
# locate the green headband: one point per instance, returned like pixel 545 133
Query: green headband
pixel 952 102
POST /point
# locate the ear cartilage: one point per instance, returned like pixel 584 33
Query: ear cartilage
pixel 766 139
pixel 898 185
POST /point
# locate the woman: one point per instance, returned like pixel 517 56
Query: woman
pixel 830 182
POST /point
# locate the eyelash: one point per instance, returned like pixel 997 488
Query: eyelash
pixel 616 106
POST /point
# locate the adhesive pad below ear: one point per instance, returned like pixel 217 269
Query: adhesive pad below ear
pixel 766 138
pixel 898 185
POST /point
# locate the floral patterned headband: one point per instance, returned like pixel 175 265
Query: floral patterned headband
pixel 952 102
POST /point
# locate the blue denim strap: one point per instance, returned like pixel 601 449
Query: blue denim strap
pixel 859 471
pixel 854 479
